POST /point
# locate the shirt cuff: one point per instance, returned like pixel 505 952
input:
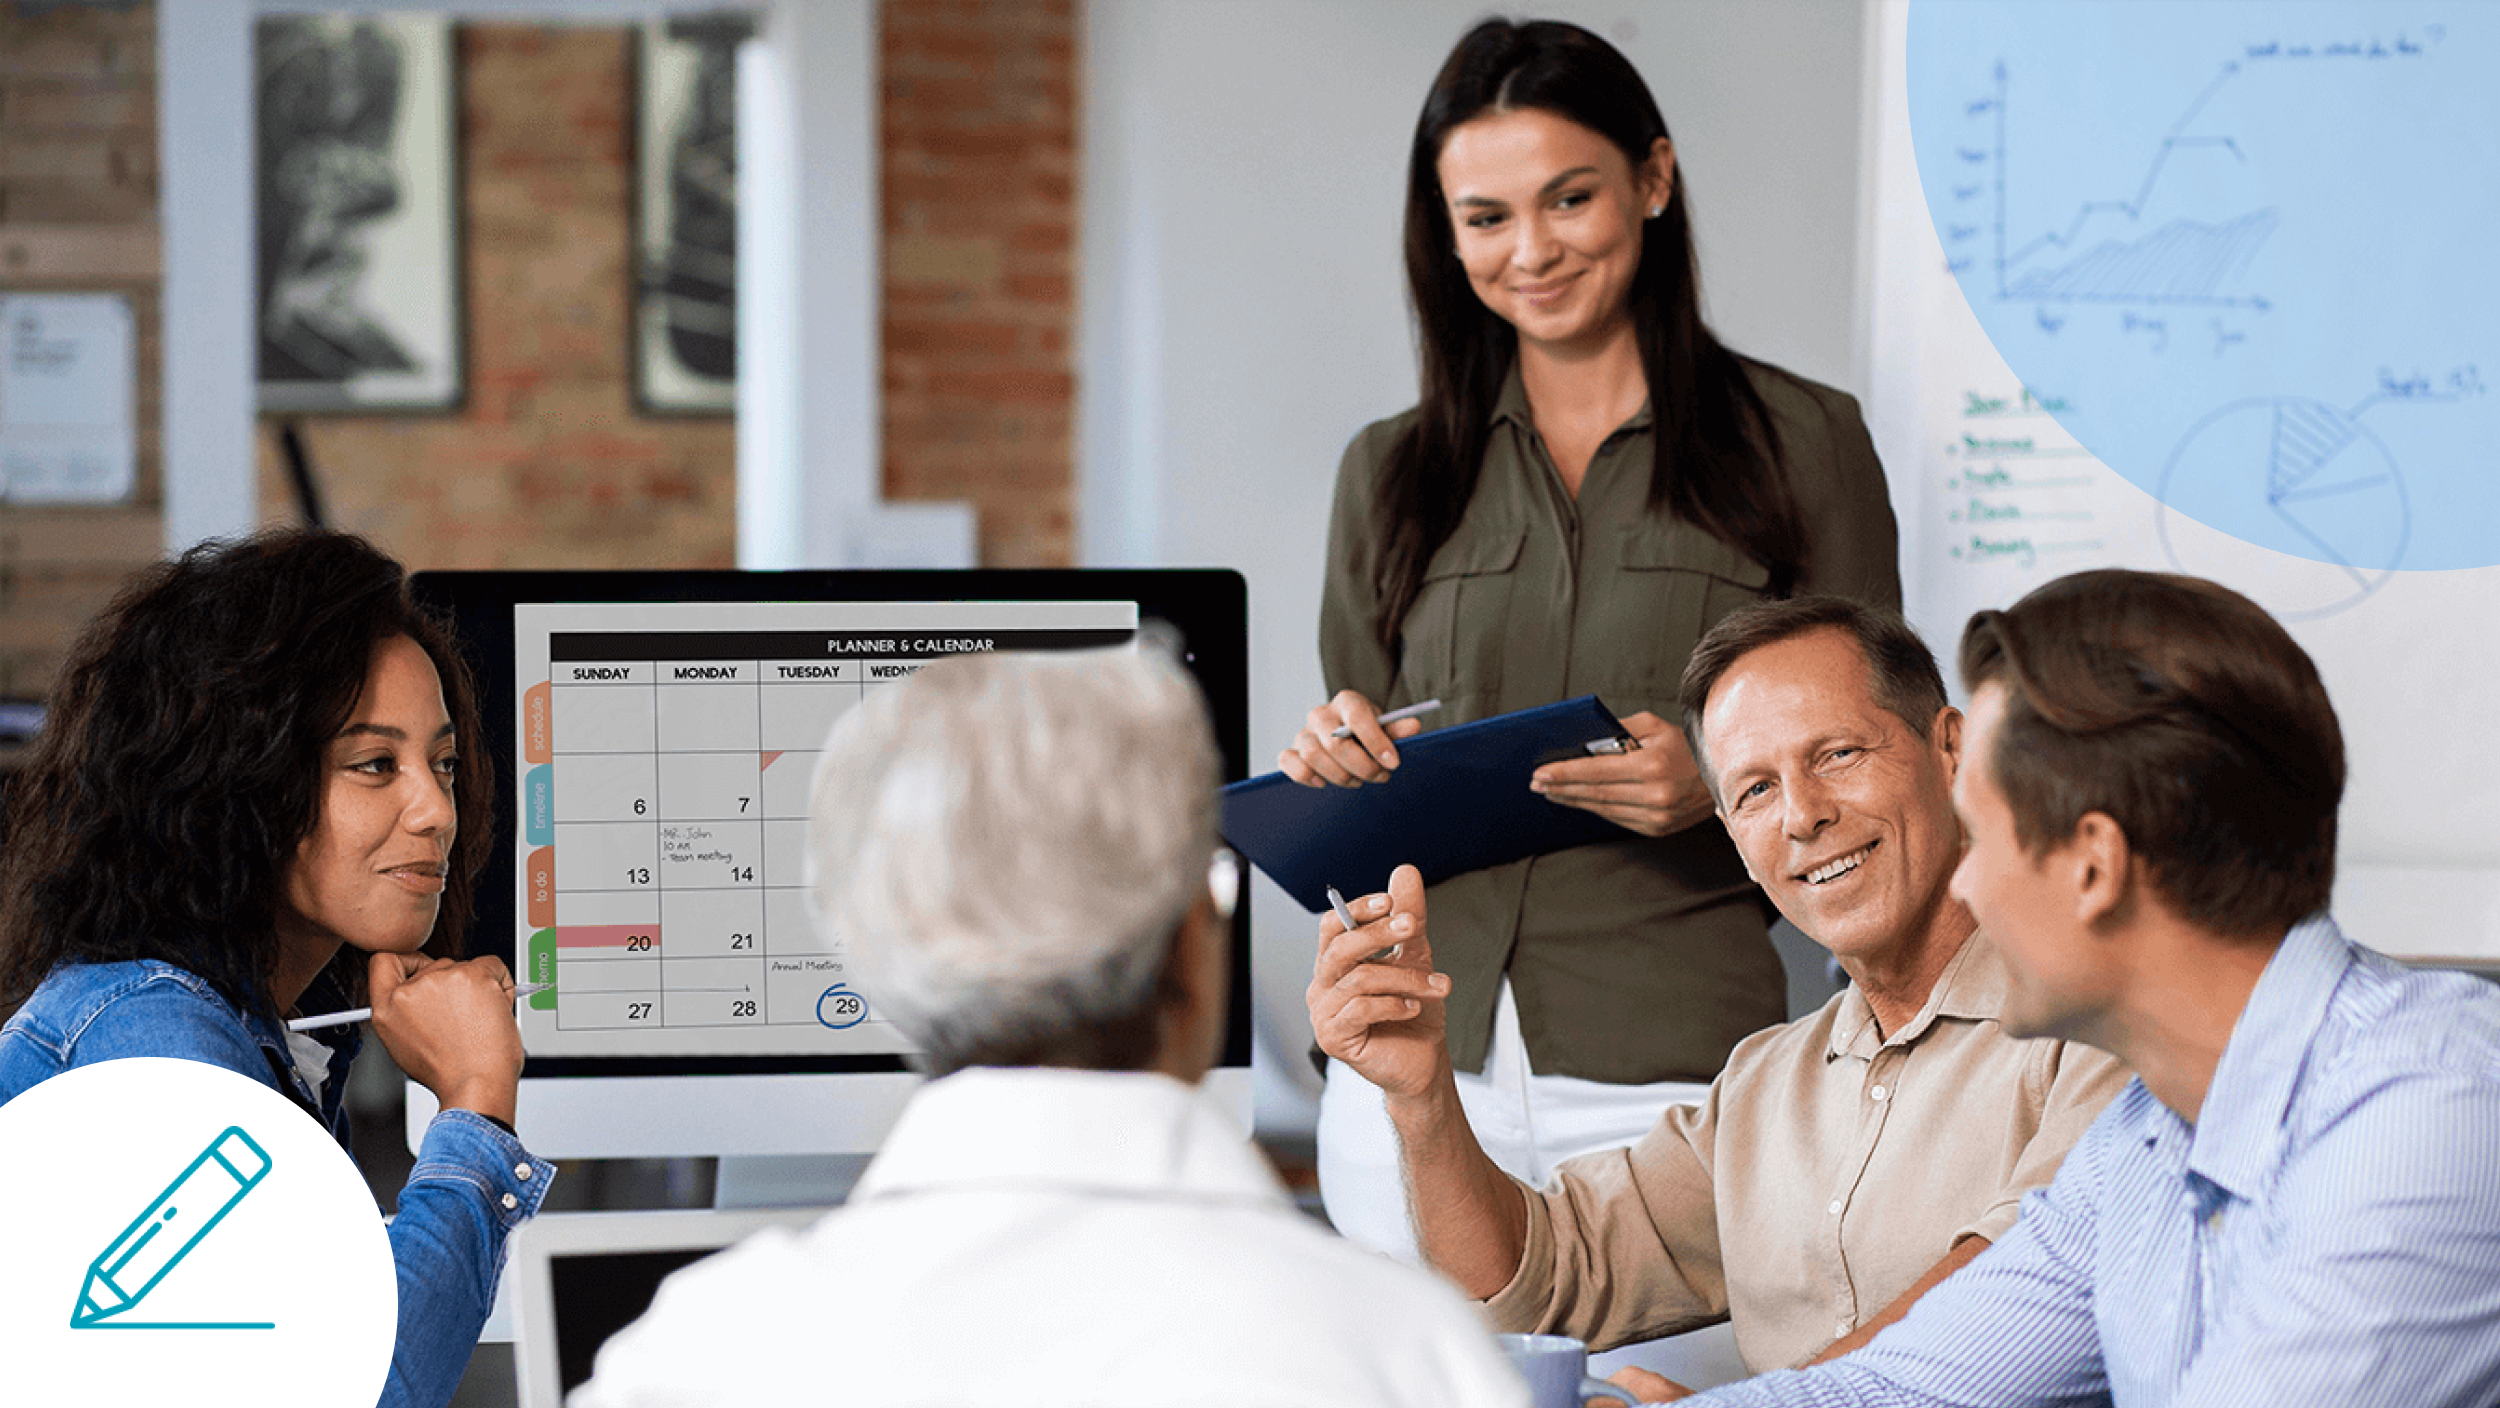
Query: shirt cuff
pixel 1520 1306
pixel 465 1146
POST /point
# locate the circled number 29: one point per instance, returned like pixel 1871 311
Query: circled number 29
pixel 840 1007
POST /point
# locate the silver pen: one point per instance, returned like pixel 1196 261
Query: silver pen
pixel 359 1014
pixel 1345 916
pixel 1410 711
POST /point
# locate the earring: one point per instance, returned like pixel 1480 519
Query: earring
pixel 1657 210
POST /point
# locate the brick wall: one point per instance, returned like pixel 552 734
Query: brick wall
pixel 78 214
pixel 979 179
pixel 547 464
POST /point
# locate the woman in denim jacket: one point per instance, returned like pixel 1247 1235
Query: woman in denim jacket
pixel 242 807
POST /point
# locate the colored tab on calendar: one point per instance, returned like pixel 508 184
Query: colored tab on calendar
pixel 541 879
pixel 538 805
pixel 537 725
pixel 541 968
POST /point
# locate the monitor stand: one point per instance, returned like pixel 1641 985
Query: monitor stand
pixel 786 1180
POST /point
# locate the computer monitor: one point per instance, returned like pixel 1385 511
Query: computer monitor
pixel 653 736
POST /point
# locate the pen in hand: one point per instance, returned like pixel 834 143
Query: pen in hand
pixel 359 1014
pixel 1410 711
pixel 1345 916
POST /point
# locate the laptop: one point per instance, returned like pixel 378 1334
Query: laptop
pixel 577 1278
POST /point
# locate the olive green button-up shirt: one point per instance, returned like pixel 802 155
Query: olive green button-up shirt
pixel 1634 960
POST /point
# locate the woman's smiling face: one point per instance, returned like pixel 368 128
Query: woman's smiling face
pixel 371 874
pixel 1547 218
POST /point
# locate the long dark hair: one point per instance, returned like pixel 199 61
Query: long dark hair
pixel 1718 461
pixel 180 764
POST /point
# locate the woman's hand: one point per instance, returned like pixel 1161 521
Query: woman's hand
pixel 1655 789
pixel 449 1026
pixel 1383 1018
pixel 1367 755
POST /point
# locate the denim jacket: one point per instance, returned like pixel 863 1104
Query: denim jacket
pixel 473 1182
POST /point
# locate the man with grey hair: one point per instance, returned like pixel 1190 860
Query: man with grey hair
pixel 1842 1164
pixel 1018 850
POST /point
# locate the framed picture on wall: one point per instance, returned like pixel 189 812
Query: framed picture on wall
pixel 685 283
pixel 358 213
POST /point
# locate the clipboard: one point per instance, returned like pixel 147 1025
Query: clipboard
pixel 1459 801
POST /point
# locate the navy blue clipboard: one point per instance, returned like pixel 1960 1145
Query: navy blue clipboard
pixel 1459 801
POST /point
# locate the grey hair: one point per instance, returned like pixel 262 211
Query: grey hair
pixel 1007 844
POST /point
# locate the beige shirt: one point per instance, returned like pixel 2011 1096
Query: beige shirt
pixel 1829 1169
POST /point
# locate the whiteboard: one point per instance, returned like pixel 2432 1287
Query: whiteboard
pixel 1996 496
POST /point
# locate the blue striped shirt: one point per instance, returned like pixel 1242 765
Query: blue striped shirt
pixel 2327 1232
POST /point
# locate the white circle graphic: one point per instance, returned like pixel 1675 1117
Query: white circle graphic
pixel 178 1233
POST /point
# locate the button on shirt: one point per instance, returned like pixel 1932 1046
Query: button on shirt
pixel 1830 1168
pixel 2328 1231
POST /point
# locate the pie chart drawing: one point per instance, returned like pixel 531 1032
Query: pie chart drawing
pixel 2312 483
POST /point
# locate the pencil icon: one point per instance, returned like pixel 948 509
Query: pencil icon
pixel 164 1233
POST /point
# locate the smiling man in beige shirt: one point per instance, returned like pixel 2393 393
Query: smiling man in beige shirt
pixel 1843 1163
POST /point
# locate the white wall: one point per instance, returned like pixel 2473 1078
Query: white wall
pixel 1243 305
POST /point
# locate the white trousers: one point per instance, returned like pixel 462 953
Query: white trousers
pixel 1526 1122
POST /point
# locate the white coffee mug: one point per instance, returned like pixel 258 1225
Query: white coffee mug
pixel 1557 1370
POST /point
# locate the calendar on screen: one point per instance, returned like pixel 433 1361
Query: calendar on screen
pixel 665 773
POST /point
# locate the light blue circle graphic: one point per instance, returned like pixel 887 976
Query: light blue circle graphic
pixel 2246 246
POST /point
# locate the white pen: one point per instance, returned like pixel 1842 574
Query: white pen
pixel 1410 711
pixel 358 1014
pixel 1345 916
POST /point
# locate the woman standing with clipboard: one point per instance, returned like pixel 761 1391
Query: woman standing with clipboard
pixel 1590 481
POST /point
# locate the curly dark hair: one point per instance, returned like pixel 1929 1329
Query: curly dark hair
pixel 179 769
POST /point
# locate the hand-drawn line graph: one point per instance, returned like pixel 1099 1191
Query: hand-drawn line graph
pixel 2220 227
pixel 2183 262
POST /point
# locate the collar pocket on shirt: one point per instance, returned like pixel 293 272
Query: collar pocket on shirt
pixel 1678 546
pixel 1455 634
pixel 1675 582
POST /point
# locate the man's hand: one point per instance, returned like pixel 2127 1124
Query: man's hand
pixel 1384 1019
pixel 1642 1386
pixel 1387 1021
pixel 1655 789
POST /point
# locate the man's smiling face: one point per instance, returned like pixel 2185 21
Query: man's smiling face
pixel 1840 810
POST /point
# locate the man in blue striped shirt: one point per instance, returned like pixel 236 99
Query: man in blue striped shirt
pixel 2298 1201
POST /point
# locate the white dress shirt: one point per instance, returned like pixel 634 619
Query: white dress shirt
pixel 1056 1237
